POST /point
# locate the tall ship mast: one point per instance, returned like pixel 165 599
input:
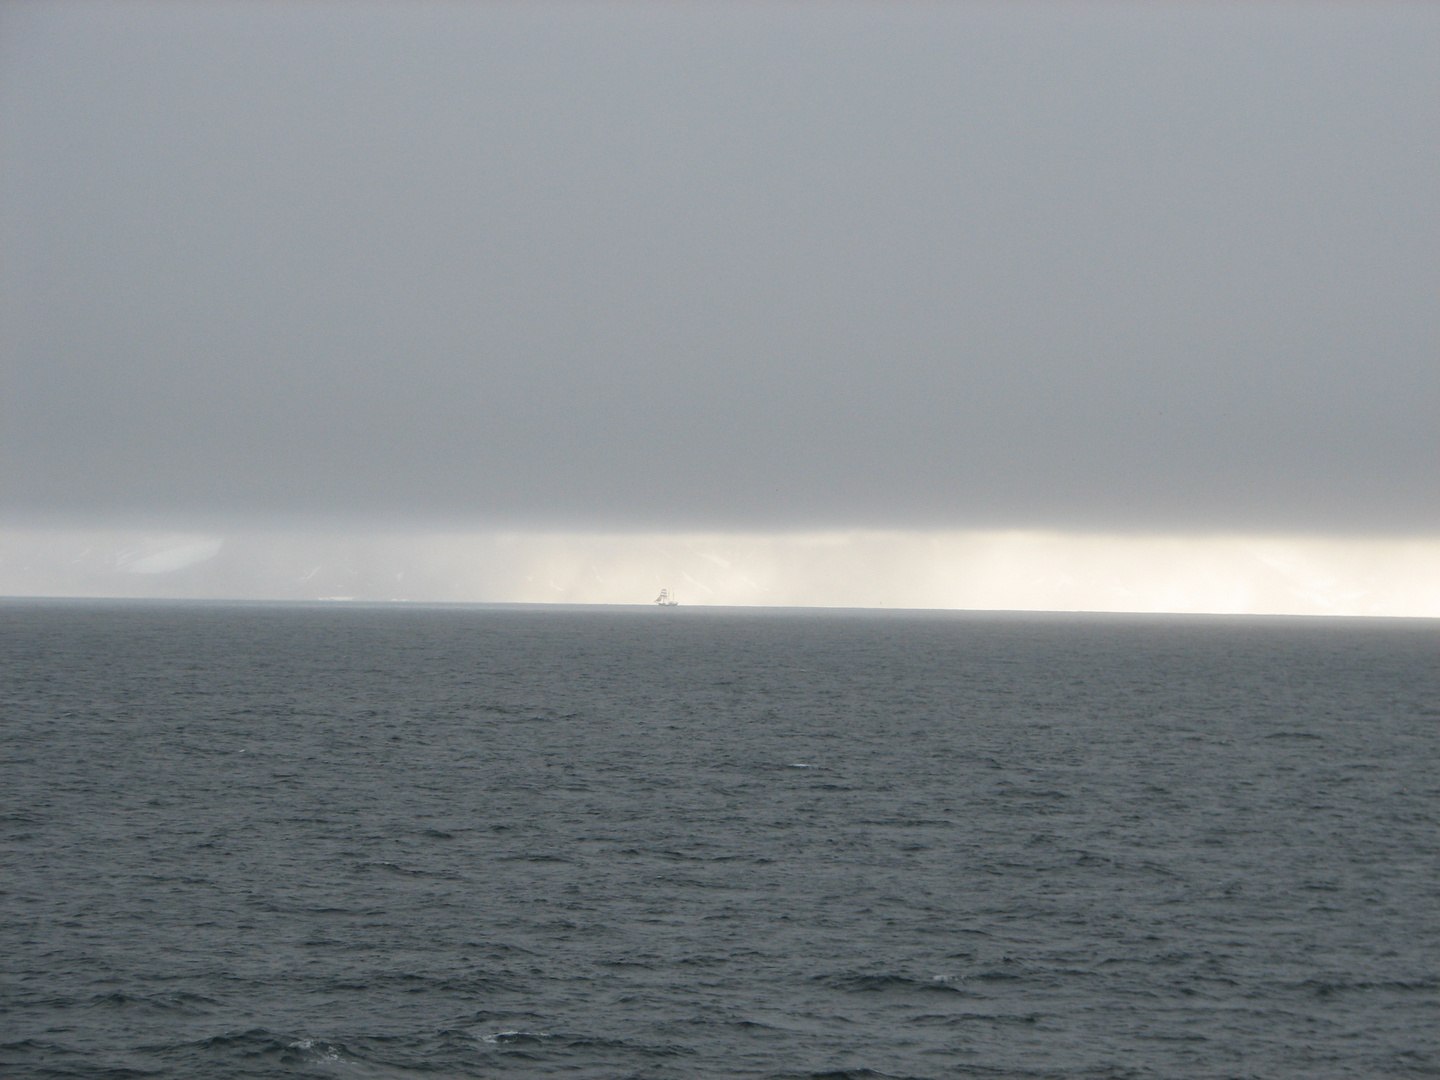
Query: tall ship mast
pixel 666 598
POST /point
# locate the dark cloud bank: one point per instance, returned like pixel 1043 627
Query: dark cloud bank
pixel 723 266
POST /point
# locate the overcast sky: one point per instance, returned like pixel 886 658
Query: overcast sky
pixel 757 266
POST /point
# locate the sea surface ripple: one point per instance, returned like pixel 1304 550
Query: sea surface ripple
pixel 346 841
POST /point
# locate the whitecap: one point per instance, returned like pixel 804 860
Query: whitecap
pixel 499 1037
pixel 325 1052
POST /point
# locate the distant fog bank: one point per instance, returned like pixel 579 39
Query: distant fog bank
pixel 974 570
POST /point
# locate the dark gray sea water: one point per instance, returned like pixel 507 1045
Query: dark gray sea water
pixel 338 841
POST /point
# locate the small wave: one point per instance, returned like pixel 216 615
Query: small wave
pixel 539 858
pixel 512 1038
pixel 644 965
pixel 996 975
pixel 993 1018
pixel 843 1074
pixel 871 984
pixel 907 823
pixel 317 1051
pixel 595 1042
pixel 202 1057
pixel 1325 988
pixel 182 1002
pixel 387 867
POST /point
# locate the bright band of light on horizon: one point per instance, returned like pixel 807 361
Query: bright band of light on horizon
pixel 978 570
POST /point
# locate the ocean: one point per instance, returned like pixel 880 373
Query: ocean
pixel 390 841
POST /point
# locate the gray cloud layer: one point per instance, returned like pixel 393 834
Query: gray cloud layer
pixel 724 266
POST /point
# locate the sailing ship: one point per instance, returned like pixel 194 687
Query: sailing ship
pixel 666 598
